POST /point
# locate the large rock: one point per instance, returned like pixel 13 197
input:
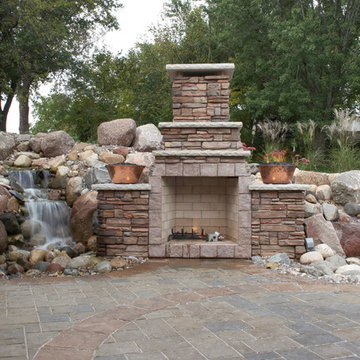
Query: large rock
pixel 312 209
pixel 56 143
pixel 97 175
pixel 62 260
pixel 280 258
pixel 3 238
pixel 323 231
pixel 352 209
pixel 311 177
pixel 7 145
pixel 325 250
pixel 73 189
pixel 349 235
pixel 111 158
pixel 351 269
pixel 35 142
pixel 37 255
pixel 323 192
pixel 22 161
pixel 335 261
pixel 82 215
pixel 346 187
pixel 117 132
pixel 144 159
pixel 103 267
pixel 11 224
pixel 82 261
pixel 311 257
pixel 38 240
pixel 17 254
pixel 147 138
pixel 331 212
pixel 30 227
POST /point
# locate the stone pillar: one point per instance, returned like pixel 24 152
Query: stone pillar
pixel 123 213
pixel 277 222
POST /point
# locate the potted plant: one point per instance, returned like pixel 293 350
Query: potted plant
pixel 276 170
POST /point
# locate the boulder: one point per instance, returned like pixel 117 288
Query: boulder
pixel 311 177
pixel 323 231
pixel 312 209
pixel 36 256
pixel 56 143
pixel 335 261
pixel 35 142
pixel 349 235
pixel 311 257
pixel 325 250
pixel 348 270
pixel 324 267
pixel 92 160
pixel 330 211
pixel 30 227
pixel 62 171
pixel 62 260
pixel 15 254
pixel 117 132
pixel 82 217
pixel 97 175
pixel 82 261
pixel 11 223
pixel 24 146
pixel 311 198
pixel 280 258
pixel 147 138
pixel 346 187
pixel 144 159
pixel 73 189
pixel 352 209
pixel 12 205
pixel 38 240
pixel 54 163
pixel 86 154
pixel 54 268
pixel 323 192
pixel 111 158
pixel 103 267
pixel 3 238
pixel 7 145
pixel 41 265
pixel 122 150
pixel 22 161
pixel 14 269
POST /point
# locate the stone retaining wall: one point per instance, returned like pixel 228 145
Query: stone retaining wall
pixel 123 213
pixel 277 221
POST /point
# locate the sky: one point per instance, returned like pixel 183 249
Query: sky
pixel 134 18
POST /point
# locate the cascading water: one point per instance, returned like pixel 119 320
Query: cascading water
pixel 50 218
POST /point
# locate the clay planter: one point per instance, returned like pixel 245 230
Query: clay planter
pixel 277 173
pixel 124 173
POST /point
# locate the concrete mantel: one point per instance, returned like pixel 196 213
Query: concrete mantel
pixel 201 153
pixel 121 187
pixel 176 70
pixel 201 125
pixel 279 187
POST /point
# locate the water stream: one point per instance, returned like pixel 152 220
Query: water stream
pixel 51 218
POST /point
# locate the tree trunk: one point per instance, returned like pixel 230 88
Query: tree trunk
pixel 4 112
pixel 23 97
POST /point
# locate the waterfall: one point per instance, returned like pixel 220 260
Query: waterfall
pixel 52 218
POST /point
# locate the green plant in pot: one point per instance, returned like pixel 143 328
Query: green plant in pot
pixel 276 169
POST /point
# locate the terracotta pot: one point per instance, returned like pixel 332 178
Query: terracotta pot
pixel 277 173
pixel 124 173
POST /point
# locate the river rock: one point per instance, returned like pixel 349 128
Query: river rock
pixel 7 145
pixel 24 146
pixel 117 132
pixel 37 240
pixel 14 269
pixel 330 211
pixel 311 257
pixel 335 261
pixel 3 238
pixel 56 162
pixel 41 265
pixel 312 209
pixel 35 142
pixel 15 254
pixel 311 198
pixel 97 175
pixel 62 260
pixel 54 268
pixel 86 154
pixel 30 227
pixel 325 250
pixel 323 231
pixel 92 160
pixel 82 261
pixel 3 203
pixel 103 267
pixel 147 138
pixel 122 150
pixel 22 161
pixel 346 187
pixel 82 217
pixel 37 255
pixel 323 192
pixel 144 159
pixel 351 269
pixel 62 171
pixel 324 267
pixel 56 143
pixel 12 205
pixel 11 223
pixel 280 258
pixel 311 177
pixel 111 158
pixel 118 263
pixel 352 209
pixel 73 189
pixel 349 235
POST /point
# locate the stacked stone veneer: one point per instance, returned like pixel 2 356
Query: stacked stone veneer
pixel 277 222
pixel 123 213
pixel 201 98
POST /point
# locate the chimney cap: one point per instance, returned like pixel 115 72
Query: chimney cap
pixel 184 70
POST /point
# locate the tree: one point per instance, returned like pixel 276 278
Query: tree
pixel 296 59
pixel 45 37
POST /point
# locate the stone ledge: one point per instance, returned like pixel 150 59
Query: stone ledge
pixel 279 187
pixel 203 125
pixel 201 153
pixel 175 70
pixel 124 187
